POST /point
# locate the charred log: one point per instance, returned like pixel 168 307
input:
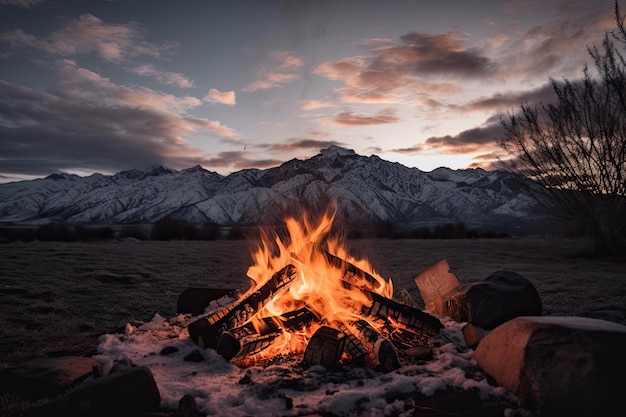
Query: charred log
pixel 382 349
pixel 400 315
pixel 207 331
pixel 229 344
pixel 257 343
pixel 325 347
pixel 360 355
pixel 353 274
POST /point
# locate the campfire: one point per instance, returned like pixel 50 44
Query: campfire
pixel 311 299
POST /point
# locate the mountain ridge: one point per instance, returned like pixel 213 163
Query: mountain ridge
pixel 367 189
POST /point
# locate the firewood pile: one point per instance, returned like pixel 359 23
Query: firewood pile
pixel 337 314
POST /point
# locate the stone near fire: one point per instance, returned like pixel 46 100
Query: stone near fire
pixel 572 366
pixel 498 298
pixel 46 377
pixel 129 393
pixel 473 334
pixel 436 281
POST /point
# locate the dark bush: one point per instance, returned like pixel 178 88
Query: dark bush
pixel 14 233
pixel 208 231
pixel 133 231
pixel 172 229
pixel 55 232
pixel 87 233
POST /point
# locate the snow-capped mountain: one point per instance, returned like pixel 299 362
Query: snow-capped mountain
pixel 366 189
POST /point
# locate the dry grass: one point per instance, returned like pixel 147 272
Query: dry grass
pixel 58 297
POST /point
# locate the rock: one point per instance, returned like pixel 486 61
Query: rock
pixel 195 300
pixel 436 281
pixel 168 350
pixel 127 393
pixel 194 356
pixel 187 406
pixel 419 353
pixel 46 377
pixel 570 366
pixel 473 334
pixel 502 296
pixel 121 365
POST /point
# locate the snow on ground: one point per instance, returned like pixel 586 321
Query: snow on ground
pixel 290 388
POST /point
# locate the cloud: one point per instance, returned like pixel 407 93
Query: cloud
pixel 217 129
pixel 479 139
pixel 287 61
pixel 349 118
pixel 21 3
pixel 503 101
pixel 271 80
pixel 557 47
pixel 81 84
pixel 396 70
pixel 215 96
pixel 89 34
pixel 164 77
pixel 277 74
pixel 240 160
pixel 87 123
pixel 315 105
pixel 299 144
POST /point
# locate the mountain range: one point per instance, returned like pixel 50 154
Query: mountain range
pixel 365 189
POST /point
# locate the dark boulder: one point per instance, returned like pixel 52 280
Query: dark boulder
pixel 559 366
pixel 46 377
pixel 500 297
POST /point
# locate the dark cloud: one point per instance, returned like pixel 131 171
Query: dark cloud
pixel 559 46
pixel 91 124
pixel 478 139
pixel 299 144
pixel 396 69
pixel 348 118
pixel 442 54
pixel 473 140
pixel 241 160
pixel 502 102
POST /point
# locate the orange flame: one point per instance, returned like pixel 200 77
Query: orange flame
pixel 320 285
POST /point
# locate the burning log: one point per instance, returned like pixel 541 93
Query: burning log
pixel 257 343
pixel 353 274
pixel 360 355
pixel 229 344
pixel 399 315
pixel 207 331
pixel 382 349
pixel 325 347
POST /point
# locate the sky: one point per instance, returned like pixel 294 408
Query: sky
pixel 101 86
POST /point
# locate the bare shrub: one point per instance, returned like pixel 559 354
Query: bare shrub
pixel 573 150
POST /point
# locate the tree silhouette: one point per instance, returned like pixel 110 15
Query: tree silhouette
pixel 573 150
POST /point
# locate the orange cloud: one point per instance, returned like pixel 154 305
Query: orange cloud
pixel 216 96
pixel 348 118
pixel 271 80
pixel 315 105
pixel 405 68
pixel 86 34
pixel 165 77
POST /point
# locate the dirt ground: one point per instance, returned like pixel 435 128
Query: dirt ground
pixel 57 298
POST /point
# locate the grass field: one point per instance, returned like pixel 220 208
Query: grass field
pixel 56 298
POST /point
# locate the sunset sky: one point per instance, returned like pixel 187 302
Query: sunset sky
pixel 107 85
